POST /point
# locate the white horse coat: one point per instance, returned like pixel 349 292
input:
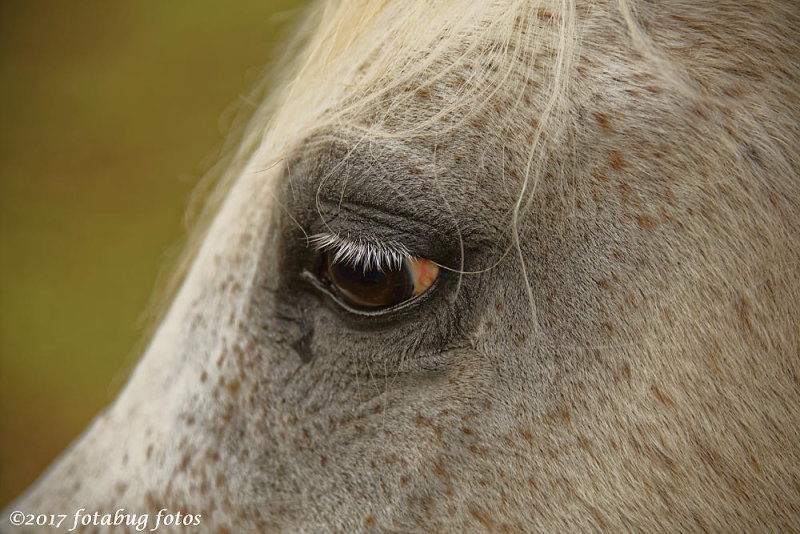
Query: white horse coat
pixel 605 338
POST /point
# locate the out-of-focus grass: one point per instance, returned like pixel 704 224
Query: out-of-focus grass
pixel 107 110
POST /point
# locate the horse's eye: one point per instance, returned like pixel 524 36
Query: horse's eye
pixel 374 289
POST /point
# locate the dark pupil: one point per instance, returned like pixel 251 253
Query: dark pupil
pixel 371 288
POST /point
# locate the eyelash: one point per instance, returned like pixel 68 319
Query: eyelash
pixel 360 252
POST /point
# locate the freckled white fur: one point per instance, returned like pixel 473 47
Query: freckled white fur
pixel 633 365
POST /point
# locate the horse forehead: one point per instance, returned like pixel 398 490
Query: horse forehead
pixel 488 102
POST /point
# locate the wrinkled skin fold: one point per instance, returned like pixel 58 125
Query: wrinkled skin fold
pixel 611 192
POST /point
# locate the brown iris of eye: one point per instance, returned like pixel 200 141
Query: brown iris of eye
pixel 373 288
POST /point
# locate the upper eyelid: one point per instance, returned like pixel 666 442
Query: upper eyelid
pixel 361 252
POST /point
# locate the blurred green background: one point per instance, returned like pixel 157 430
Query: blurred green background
pixel 110 112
